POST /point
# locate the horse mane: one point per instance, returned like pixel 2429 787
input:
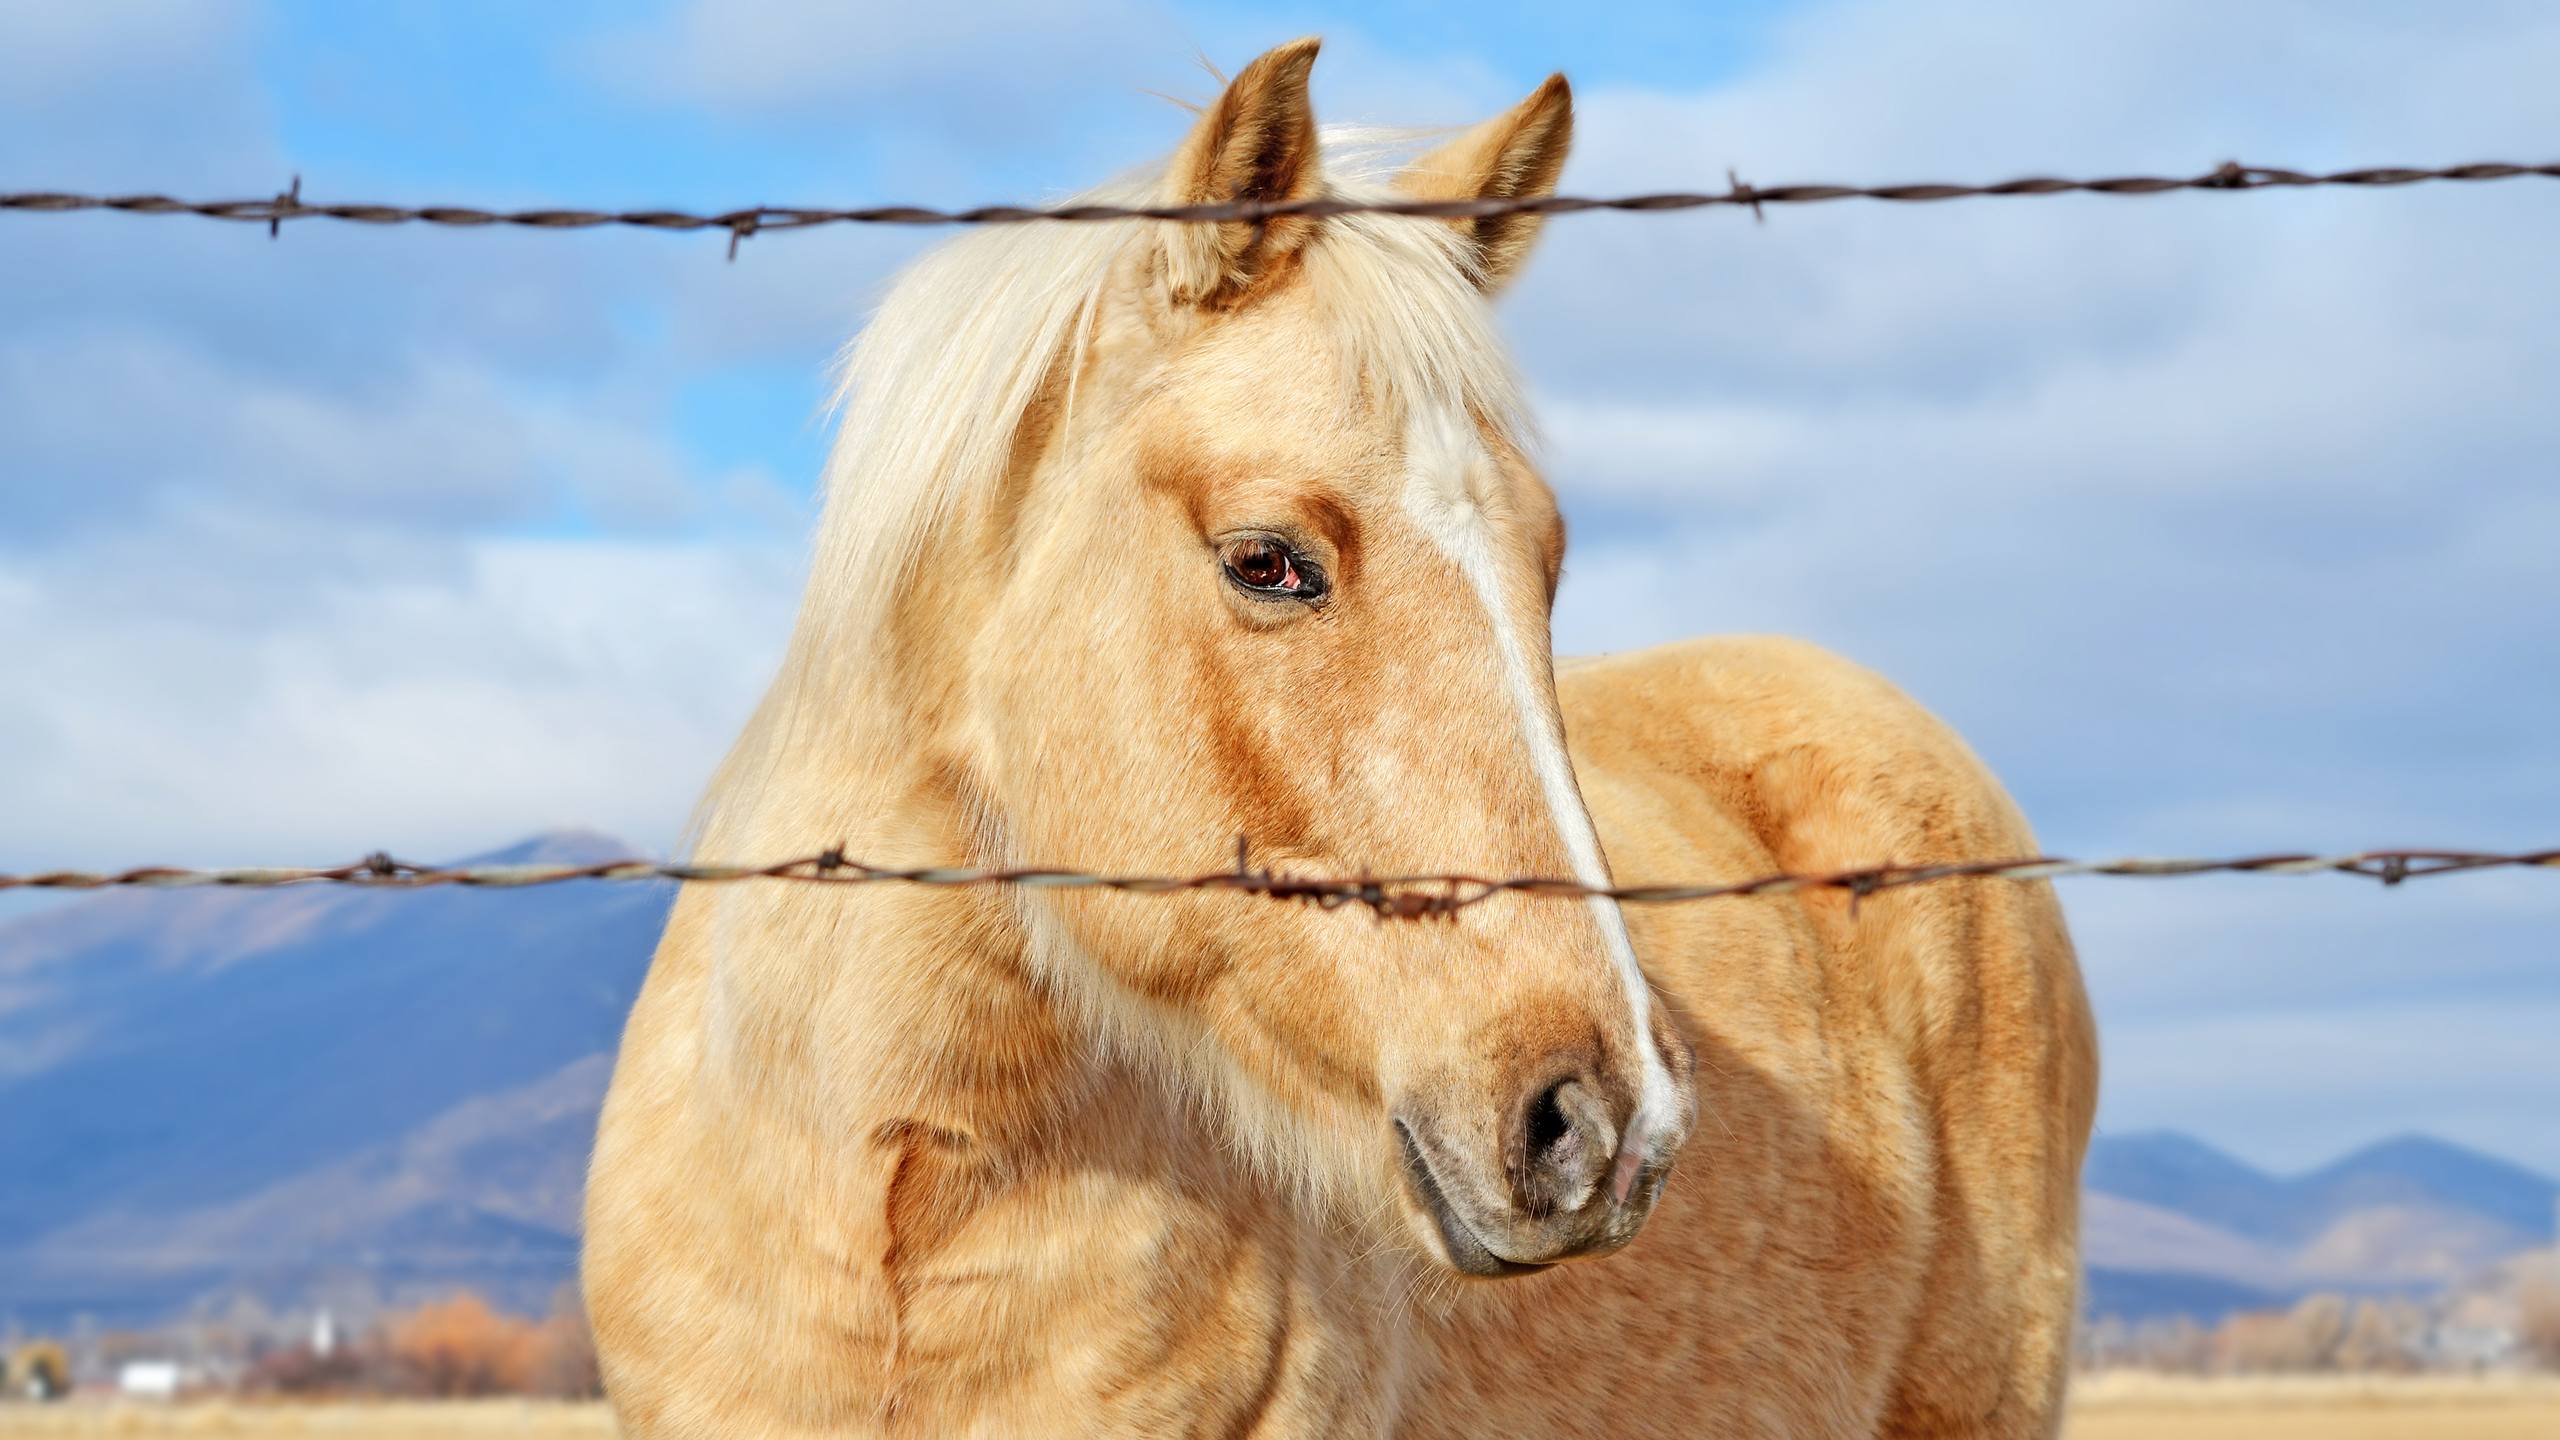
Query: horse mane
pixel 931 392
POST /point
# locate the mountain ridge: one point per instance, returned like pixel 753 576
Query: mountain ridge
pixel 189 1053
pixel 2180 1172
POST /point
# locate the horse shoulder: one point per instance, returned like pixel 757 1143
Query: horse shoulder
pixel 1802 761
pixel 1958 1003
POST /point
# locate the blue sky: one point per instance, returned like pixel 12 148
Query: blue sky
pixel 2216 522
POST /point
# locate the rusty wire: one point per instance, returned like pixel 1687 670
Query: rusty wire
pixel 289 204
pixel 1395 897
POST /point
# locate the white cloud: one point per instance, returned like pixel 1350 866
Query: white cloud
pixel 441 705
pixel 111 425
pixel 55 51
pixel 809 54
pixel 1042 99
pixel 165 89
pixel 927 100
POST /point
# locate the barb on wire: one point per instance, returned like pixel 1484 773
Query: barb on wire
pixel 1389 897
pixel 759 219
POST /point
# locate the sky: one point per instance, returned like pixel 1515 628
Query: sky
pixel 2216 523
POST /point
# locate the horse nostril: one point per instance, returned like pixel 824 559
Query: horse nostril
pixel 1547 1124
pixel 1566 1141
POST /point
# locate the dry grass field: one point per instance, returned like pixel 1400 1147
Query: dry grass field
pixel 462 1420
pixel 2154 1407
pixel 2107 1407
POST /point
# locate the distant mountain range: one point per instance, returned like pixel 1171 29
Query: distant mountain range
pixel 369 1094
pixel 367 1097
pixel 2172 1225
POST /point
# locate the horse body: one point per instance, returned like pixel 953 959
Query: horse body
pixel 1874 1231
pixel 1239 540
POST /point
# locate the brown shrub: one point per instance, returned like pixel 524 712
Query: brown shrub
pixel 2538 1321
pixel 2256 1343
pixel 300 1371
pixel 2309 1337
pixel 460 1347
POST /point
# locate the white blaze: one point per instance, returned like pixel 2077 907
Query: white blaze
pixel 1445 463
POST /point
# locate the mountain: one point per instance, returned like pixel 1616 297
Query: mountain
pixel 2419 1171
pixel 2184 1176
pixel 2170 1223
pixel 2131 1237
pixel 221 1090
pixel 2138 1295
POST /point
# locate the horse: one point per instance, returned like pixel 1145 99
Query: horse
pixel 1140 537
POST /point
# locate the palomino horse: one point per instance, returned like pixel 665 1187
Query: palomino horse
pixel 1144 537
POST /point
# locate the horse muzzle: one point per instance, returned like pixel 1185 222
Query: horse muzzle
pixel 1574 1177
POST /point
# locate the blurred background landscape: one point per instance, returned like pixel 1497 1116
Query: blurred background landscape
pixel 2216 523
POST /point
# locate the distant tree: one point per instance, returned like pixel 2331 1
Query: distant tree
pixel 461 1347
pixel 2306 1338
pixel 2379 1340
pixel 2538 1321
pixel 298 1370
pixel 2256 1342
pixel 2319 1325
pixel 2176 1346
pixel 39 1370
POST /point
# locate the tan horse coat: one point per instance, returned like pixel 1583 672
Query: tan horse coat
pixel 996 1163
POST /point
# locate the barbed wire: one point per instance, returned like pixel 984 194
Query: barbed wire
pixel 1390 897
pixel 289 204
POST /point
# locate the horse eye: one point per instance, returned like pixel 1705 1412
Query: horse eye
pixel 1268 567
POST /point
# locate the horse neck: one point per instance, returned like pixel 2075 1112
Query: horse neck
pixel 890 1005
pixel 848 1009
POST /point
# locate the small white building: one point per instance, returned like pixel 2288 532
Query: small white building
pixel 148 1380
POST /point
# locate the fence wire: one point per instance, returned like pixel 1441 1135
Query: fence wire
pixel 289 204
pixel 1389 897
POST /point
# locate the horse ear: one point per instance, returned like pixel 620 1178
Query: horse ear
pixel 1257 142
pixel 1513 156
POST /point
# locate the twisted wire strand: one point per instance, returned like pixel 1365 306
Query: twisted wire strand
pixel 741 223
pixel 1391 897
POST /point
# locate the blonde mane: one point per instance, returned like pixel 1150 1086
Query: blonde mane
pixel 930 395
